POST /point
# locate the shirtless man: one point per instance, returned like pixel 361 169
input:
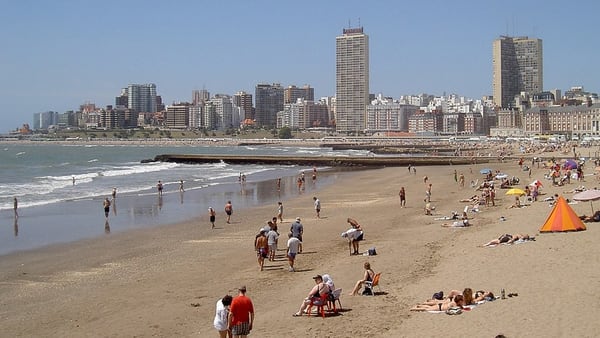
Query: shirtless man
pixel 228 211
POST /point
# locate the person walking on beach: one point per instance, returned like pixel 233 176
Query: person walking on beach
pixel 293 245
pixel 279 184
pixel 297 229
pixel 181 186
pixel 211 216
pixel 317 206
pixel 73 180
pixel 241 314
pixel 159 186
pixel 228 211
pixel 461 180
pixel 272 237
pixel 15 207
pixel 262 248
pixel 402 195
pixel 280 211
pixel 114 193
pixel 221 316
pixel 106 205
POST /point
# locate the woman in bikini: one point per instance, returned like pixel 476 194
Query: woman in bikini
pixel 368 276
pixel 458 301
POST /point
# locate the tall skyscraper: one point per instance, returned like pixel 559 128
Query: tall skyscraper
pixel 141 98
pixel 269 101
pixel 351 80
pixel 518 67
pixel 243 100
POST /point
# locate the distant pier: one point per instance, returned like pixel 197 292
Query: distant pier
pixel 332 161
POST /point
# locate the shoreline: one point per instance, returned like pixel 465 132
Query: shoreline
pixel 75 220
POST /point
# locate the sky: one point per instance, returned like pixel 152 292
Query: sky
pixel 57 55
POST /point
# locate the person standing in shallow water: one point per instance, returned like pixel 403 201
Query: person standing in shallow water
pixel 15 207
pixel 106 205
pixel 159 187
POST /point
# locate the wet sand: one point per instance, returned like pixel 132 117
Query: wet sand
pixel 165 281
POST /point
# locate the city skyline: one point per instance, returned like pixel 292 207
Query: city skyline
pixel 60 55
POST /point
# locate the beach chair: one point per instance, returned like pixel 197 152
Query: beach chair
pixel 334 297
pixel 320 303
pixel 372 284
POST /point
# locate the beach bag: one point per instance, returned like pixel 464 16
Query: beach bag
pixel 367 292
pixel 454 311
pixel 372 252
pixel 438 295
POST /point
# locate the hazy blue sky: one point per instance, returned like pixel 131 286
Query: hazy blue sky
pixel 56 55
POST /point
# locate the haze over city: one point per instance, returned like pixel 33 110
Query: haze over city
pixel 58 55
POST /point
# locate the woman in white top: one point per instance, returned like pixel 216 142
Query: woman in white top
pixel 220 322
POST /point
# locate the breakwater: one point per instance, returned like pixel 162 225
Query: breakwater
pixel 333 161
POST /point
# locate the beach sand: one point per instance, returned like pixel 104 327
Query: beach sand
pixel 165 281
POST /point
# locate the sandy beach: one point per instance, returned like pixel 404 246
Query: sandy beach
pixel 165 281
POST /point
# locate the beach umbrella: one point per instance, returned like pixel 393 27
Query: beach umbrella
pixel 537 183
pixel 485 171
pixel 588 195
pixel 515 191
pixel 570 164
pixel 501 176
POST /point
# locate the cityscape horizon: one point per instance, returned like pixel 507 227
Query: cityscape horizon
pixel 61 81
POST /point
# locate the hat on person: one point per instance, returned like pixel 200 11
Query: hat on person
pixel 262 230
pixel 318 277
pixel 297 218
pixel 242 288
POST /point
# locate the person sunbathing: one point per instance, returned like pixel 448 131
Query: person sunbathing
pixel 463 222
pixel 457 302
pixel 509 239
pixel 481 296
pixel 594 218
pixel 467 295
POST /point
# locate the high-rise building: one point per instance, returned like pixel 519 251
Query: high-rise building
pixel 518 67
pixel 269 101
pixel 351 80
pixel 44 120
pixel 122 100
pixel 199 96
pixel 178 115
pixel 243 100
pixel 142 98
pixel 291 94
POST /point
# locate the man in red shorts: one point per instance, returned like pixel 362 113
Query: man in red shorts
pixel 241 314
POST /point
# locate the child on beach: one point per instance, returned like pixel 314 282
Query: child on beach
pixel 212 215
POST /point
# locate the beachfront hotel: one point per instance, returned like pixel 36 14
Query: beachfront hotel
pixel 517 67
pixel 351 80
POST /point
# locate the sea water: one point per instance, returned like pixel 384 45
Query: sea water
pixel 60 187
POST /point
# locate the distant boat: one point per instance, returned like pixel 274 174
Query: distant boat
pixel 20 153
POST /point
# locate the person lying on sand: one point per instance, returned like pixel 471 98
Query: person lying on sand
pixel 594 218
pixel 463 222
pixel 457 302
pixel 509 239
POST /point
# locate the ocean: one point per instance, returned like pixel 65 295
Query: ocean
pixel 60 188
